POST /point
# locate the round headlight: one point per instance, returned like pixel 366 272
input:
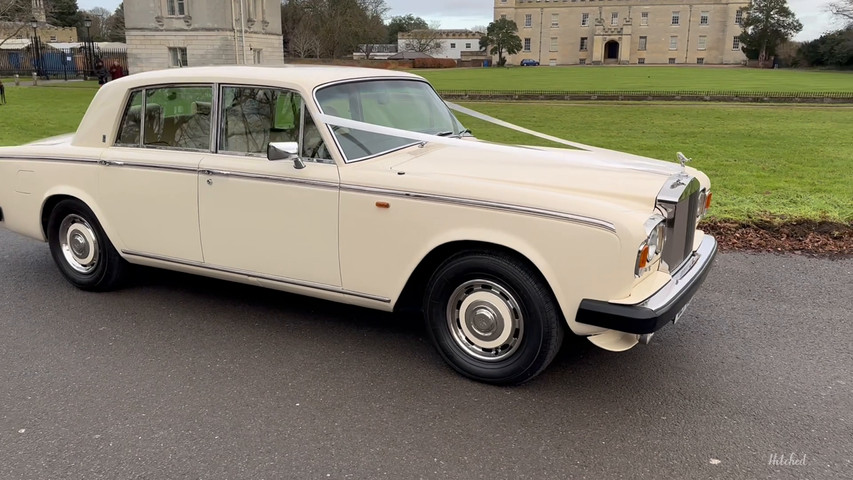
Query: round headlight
pixel 655 241
pixel 700 205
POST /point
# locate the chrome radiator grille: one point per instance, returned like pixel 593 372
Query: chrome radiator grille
pixel 679 203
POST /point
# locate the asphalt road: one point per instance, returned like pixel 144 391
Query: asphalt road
pixel 183 377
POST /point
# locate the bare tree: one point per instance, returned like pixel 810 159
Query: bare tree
pixel 100 17
pixel 14 11
pixel 339 26
pixel 423 40
pixel 843 9
pixel 304 42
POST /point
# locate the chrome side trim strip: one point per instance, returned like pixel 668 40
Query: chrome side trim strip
pixel 49 159
pixel 255 275
pixel 505 207
pixel 150 166
pixel 272 178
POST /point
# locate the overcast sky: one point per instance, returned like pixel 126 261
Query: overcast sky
pixel 470 13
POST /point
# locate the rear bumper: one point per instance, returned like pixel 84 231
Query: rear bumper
pixel 661 308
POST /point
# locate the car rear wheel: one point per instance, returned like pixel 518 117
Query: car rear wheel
pixel 492 317
pixel 81 249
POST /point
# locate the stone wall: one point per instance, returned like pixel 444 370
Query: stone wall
pixel 212 32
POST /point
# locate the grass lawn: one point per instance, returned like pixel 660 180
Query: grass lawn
pixel 765 162
pixel 37 112
pixel 660 78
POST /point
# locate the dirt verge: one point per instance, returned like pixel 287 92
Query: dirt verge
pixel 824 239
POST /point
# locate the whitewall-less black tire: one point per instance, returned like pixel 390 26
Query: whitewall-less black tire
pixel 492 317
pixel 81 249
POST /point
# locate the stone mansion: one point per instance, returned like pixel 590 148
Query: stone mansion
pixel 572 32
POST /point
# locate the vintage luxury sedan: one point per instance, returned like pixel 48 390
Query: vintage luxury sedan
pixel 361 186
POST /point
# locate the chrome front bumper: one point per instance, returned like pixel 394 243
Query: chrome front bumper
pixel 665 306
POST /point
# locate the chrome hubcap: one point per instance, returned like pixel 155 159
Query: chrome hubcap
pixel 485 320
pixel 78 243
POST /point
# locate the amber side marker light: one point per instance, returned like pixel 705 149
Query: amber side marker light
pixel 383 204
pixel 708 201
pixel 644 255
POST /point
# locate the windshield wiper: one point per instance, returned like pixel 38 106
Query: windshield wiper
pixel 449 133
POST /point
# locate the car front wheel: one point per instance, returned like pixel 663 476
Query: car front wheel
pixel 81 249
pixel 492 317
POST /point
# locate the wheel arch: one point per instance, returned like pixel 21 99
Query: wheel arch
pixel 52 199
pixel 411 296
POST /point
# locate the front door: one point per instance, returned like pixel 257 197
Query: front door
pixel 611 51
pixel 269 218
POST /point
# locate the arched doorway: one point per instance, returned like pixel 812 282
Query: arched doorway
pixel 611 52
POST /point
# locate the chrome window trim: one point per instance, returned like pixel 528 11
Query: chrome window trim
pixel 220 89
pixel 143 89
pixel 255 275
pixel 506 207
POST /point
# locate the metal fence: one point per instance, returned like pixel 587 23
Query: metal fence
pixel 57 63
pixel 685 95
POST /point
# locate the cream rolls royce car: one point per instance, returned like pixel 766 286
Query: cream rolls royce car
pixel 361 186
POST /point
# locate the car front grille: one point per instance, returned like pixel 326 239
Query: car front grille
pixel 679 203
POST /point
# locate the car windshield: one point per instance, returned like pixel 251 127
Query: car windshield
pixel 404 104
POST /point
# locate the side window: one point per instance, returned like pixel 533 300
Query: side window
pixel 249 118
pixel 253 117
pixel 131 124
pixel 177 117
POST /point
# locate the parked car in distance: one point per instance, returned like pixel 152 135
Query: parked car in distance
pixel 361 186
pixel 529 62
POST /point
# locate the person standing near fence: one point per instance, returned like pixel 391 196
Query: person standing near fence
pixel 100 71
pixel 116 71
pixel 2 93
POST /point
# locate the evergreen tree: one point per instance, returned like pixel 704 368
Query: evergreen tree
pixel 766 24
pixel 501 36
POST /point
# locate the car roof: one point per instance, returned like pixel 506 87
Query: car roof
pixel 307 76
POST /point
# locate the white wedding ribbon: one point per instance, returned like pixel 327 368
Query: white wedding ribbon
pixel 578 157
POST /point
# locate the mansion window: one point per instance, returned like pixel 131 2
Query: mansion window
pixel 452 45
pixel 703 18
pixel 735 43
pixel 703 42
pixel 643 42
pixel 584 19
pixel 676 18
pixel 700 60
pixel 176 8
pixel 644 18
pixel 528 20
pixel 526 44
pixel 614 18
pixel 554 44
pixel 671 61
pixel 178 56
pixel 584 44
pixel 673 42
pixel 739 17
pixel 555 20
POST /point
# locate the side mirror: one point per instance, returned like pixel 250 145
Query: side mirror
pixel 285 151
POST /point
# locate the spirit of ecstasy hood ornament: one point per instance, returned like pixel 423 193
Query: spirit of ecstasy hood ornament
pixel 682 159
